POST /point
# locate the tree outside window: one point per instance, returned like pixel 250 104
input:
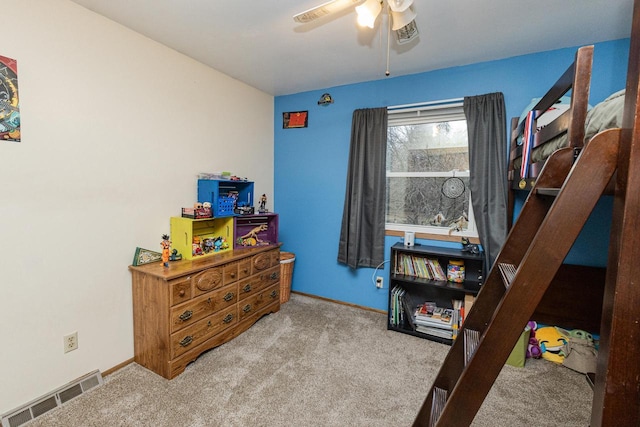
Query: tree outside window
pixel 428 177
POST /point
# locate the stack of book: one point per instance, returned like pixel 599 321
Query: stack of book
pixel 408 311
pixel 422 267
pixel 436 321
pixel 396 310
pixel 401 312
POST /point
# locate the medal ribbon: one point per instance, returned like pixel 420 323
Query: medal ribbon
pixel 527 142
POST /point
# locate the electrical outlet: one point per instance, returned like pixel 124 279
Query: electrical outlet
pixel 379 282
pixel 70 342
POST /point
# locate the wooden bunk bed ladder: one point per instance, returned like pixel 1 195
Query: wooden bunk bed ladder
pixel 549 224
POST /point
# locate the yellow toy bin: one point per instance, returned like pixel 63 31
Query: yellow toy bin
pixel 185 230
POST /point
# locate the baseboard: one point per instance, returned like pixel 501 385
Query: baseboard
pixel 361 307
pixel 117 367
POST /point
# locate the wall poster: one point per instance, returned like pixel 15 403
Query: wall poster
pixel 9 103
pixel 295 119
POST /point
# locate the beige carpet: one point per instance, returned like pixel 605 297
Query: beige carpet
pixel 317 363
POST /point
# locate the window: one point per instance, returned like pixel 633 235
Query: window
pixel 428 170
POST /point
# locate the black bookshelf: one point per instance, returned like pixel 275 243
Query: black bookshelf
pixel 417 290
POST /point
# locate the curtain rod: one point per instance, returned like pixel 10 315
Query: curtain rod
pixel 420 104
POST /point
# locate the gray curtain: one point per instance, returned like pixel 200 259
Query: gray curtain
pixel 362 233
pixel 486 126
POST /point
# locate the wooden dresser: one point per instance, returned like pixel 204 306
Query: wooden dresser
pixel 189 307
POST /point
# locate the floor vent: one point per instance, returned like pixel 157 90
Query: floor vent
pixel 44 404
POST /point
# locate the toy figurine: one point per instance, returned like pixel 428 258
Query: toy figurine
pixel 175 256
pixel 263 204
pixel 469 247
pixel 251 238
pixel 165 244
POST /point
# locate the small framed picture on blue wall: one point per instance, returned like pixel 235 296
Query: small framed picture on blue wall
pixel 295 119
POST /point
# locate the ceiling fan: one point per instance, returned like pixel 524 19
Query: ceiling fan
pixel 402 15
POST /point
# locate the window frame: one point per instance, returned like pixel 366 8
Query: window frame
pixel 425 113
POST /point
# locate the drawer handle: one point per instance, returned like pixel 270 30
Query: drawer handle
pixel 186 341
pixel 209 300
pixel 274 275
pixel 247 288
pixel 228 297
pixel 274 294
pixel 209 324
pixel 228 318
pixel 182 292
pixel 186 315
pixel 233 275
pixel 247 308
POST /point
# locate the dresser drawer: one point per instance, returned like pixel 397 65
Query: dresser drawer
pixel 257 301
pixel 230 273
pixel 179 290
pixel 203 306
pixel 192 336
pixel 244 268
pixel 260 262
pixel 207 280
pixel 258 282
pixel 275 257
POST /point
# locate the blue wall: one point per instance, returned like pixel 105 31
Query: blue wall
pixel 311 163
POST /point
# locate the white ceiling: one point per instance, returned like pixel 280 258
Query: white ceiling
pixel 257 41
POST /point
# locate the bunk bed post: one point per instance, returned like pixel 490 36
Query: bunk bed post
pixel 616 398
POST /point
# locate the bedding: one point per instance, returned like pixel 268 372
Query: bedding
pixel 606 115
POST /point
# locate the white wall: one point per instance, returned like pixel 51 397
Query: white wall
pixel 115 129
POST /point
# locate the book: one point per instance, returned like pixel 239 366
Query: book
pixel 438 272
pixel 426 308
pixel 458 306
pixel 405 302
pixel 436 332
pixel 444 320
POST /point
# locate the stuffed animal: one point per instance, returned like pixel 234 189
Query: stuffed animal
pixel 551 342
pixel 533 348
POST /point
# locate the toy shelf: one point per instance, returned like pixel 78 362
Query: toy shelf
pixel 184 230
pixel 225 195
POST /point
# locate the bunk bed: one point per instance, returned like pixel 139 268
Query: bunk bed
pixel 560 121
pixel 572 123
pixel 563 196
pixel 566 130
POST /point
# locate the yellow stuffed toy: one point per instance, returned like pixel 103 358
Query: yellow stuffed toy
pixel 551 340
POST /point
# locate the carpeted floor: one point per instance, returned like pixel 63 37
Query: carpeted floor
pixel 317 363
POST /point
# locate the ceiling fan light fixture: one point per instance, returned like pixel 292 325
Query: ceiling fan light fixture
pixel 402 19
pixel 399 5
pixel 368 13
pixel 407 33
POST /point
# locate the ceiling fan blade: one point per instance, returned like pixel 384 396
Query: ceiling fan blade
pixel 327 8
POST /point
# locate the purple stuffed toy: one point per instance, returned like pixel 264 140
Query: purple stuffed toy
pixel 533 349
